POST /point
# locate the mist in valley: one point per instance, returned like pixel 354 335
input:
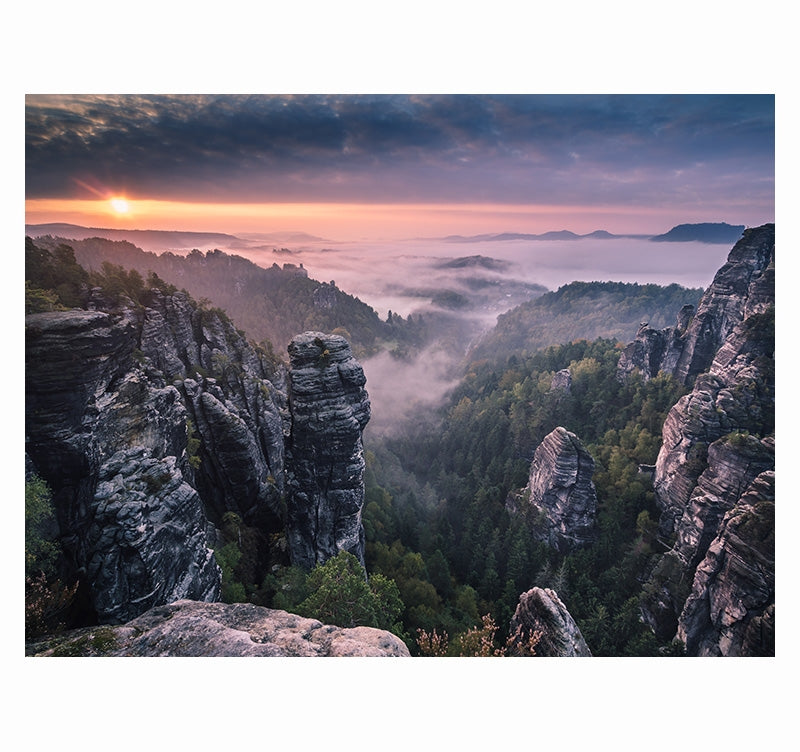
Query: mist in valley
pixel 462 287
pixel 396 275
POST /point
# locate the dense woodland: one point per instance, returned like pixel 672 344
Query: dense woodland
pixel 446 554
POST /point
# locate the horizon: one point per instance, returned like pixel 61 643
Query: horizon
pixel 389 167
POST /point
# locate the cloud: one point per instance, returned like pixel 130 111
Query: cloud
pixel 504 148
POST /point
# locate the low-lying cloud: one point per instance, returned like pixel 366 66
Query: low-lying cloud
pixel 401 389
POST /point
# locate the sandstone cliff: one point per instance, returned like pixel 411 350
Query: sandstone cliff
pixel 191 629
pixel 744 285
pixel 329 409
pixel 561 492
pixel 717 441
pixel 149 421
pixel 541 610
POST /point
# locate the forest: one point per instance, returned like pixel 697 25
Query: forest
pixel 447 552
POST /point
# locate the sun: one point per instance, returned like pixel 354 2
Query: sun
pixel 120 205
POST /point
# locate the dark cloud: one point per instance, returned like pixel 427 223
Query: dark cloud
pixel 504 148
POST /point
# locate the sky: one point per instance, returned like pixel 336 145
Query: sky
pixel 396 166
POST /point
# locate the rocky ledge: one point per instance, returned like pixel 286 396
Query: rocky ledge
pixel 191 629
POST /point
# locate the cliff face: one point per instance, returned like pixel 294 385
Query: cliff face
pixel 655 350
pixel 717 441
pixel 148 421
pixel 329 409
pixel 730 610
pixel 205 630
pixel 560 489
pixel 744 285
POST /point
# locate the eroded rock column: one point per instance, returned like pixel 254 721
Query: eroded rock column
pixel 329 409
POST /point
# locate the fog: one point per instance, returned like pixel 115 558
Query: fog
pixel 394 275
pixel 405 277
pixel 400 389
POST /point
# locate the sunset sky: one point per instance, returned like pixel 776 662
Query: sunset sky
pixel 356 166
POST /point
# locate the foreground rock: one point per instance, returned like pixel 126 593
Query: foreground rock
pixel 150 421
pixel 541 610
pixel 561 492
pixel 191 629
pixel 329 409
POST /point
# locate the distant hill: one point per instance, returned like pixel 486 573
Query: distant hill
pixel 273 303
pixel 148 240
pixel 583 310
pixel 704 232
pixel 552 235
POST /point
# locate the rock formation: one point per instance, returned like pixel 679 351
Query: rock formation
pixel 191 629
pixel 329 409
pixel 561 381
pixel 744 285
pixel 148 421
pixel 541 610
pixel 655 350
pixel 561 491
pixel 730 610
pixel 717 441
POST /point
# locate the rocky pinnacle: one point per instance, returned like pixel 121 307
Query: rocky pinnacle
pixel 329 408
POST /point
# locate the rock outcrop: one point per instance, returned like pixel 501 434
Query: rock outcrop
pixel 541 610
pixel 655 350
pixel 561 492
pixel 191 629
pixel 149 421
pixel 730 610
pixel 716 442
pixel 744 285
pixel 329 409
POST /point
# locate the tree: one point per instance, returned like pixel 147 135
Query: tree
pixel 342 595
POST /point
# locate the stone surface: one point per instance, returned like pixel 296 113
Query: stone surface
pixel 191 629
pixel 731 608
pixel 716 441
pixel 745 284
pixel 540 609
pixel 560 489
pixel 562 381
pixel 148 421
pixel 329 409
pixel 655 350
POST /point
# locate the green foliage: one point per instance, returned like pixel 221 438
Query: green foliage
pixel 270 304
pixel 228 556
pixel 53 278
pixel 584 310
pixel 341 594
pixel 38 300
pixel 47 598
pixel 41 549
pixel 192 445
pixel 476 555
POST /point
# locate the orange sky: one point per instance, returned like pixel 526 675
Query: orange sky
pixel 352 221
